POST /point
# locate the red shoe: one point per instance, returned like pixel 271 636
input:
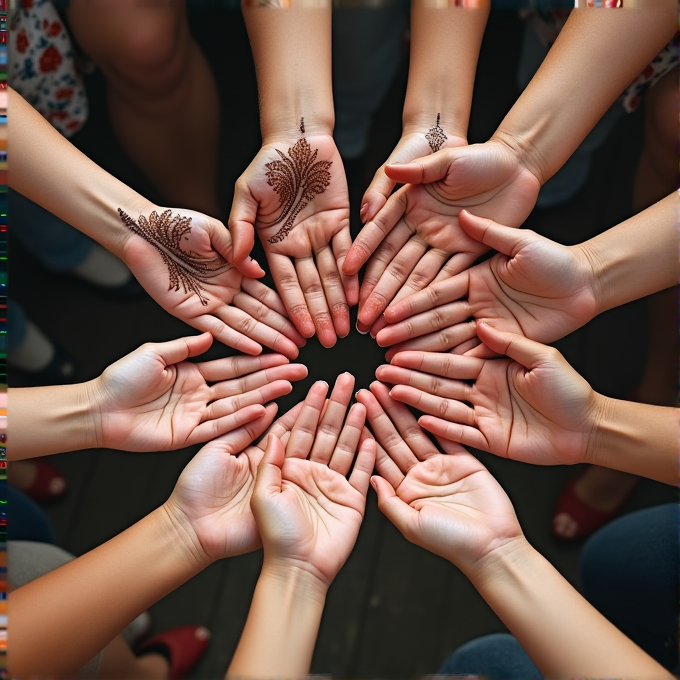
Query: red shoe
pixel 48 485
pixel 577 519
pixel 183 647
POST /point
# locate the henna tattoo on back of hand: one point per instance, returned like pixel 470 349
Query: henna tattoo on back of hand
pixel 297 178
pixel 435 136
pixel 165 234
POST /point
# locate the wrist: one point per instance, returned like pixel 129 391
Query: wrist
pixel 501 563
pixel 178 530
pixel 523 150
pixel 288 127
pixel 297 581
pixel 417 122
pixel 600 422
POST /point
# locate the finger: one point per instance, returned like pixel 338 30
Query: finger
pixel 405 422
pixel 373 233
pixel 428 267
pixel 304 431
pixel 422 170
pixel 349 439
pixel 315 299
pixel 225 334
pixel 342 242
pixel 214 428
pixel 440 341
pixel 332 419
pixel 264 294
pixel 250 327
pixel 268 479
pixel 377 326
pixel 332 286
pixel 234 367
pixel 174 351
pixel 241 220
pixel 455 432
pixel 253 381
pixel 286 281
pixel 363 467
pixel 264 394
pixel 239 439
pixel 433 296
pixel 250 268
pixel 433 384
pixel 506 240
pixel 416 326
pixel 387 468
pixel 446 365
pixel 524 351
pixel 398 512
pixel 450 448
pixel 448 409
pixel 466 346
pixel 386 433
pixel 283 426
pixel 376 195
pixel 392 279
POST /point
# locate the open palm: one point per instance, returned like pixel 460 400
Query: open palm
pixel 295 194
pixel 533 287
pixel 179 258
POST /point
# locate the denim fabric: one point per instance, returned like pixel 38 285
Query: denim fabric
pixel 26 521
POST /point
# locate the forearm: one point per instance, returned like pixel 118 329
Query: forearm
pixel 292 51
pixel 562 633
pixel 445 45
pixel 280 645
pixel 596 56
pixel 46 420
pixel 637 257
pixel 62 619
pixel 636 438
pixel 50 171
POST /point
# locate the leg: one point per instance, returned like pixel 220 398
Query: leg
pixel 629 571
pixel 497 657
pixel 162 96
pixel 119 663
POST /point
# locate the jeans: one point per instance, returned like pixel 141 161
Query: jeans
pixel 629 571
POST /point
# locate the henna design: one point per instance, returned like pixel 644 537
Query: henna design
pixel 297 178
pixel 435 136
pixel 165 234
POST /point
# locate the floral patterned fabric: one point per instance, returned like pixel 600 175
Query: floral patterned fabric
pixel 42 66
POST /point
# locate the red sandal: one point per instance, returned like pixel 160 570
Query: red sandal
pixel 49 484
pixel 183 647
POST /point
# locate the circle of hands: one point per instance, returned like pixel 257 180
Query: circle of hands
pixel 300 491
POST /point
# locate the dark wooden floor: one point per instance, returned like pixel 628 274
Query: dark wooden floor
pixel 395 611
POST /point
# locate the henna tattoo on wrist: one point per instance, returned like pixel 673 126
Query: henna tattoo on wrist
pixel 435 136
pixel 297 178
pixel 165 234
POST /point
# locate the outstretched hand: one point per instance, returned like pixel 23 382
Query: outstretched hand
pixel 416 238
pixel 532 407
pixel 307 509
pixel 185 261
pixel 533 286
pixel 295 195
pixel 154 400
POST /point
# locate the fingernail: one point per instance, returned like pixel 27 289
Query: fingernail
pixel 359 329
pixel 363 208
pixel 373 484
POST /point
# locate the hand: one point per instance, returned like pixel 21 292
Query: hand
pixel 308 511
pixel 411 146
pixel 448 503
pixel 411 238
pixel 154 400
pixel 295 194
pixel 210 504
pixel 534 287
pixel 183 260
pixel 532 407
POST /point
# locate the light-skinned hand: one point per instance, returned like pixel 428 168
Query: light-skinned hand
pixel 306 258
pixel 153 399
pixel 416 238
pixel 533 286
pixel 308 509
pixel 532 407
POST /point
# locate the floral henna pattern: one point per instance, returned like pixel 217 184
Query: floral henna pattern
pixel 297 178
pixel 165 233
pixel 435 136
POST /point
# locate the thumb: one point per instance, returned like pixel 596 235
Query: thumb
pixel 376 195
pixel 430 168
pixel 174 351
pixel 528 353
pixel 506 240
pixel 268 480
pixel 398 512
pixel 241 220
